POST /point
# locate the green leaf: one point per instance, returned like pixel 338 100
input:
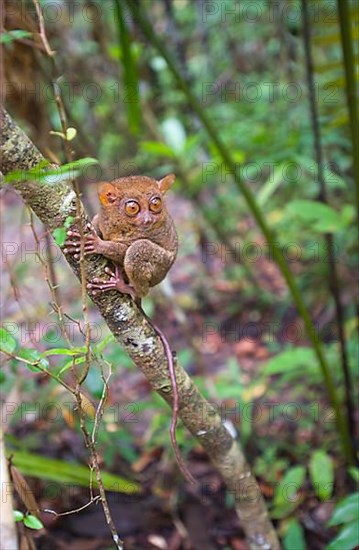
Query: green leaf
pixel 157 148
pixel 354 472
pixel 16 34
pixel 348 214
pixel 59 235
pixel 322 474
pixel 65 351
pixel 289 486
pixel 348 538
pixel 7 341
pixel 68 222
pixel 38 466
pixel 291 359
pixel 35 357
pixel 23 175
pixel 2 377
pixel 32 522
pixel 71 133
pixel 346 510
pixel 72 362
pixel 270 186
pixel 294 537
pixel 320 217
pixel 18 516
pixel 247 423
pixel 44 173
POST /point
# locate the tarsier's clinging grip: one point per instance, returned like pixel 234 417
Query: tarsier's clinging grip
pixel 135 231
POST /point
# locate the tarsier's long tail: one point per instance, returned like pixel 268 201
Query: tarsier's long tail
pixel 172 372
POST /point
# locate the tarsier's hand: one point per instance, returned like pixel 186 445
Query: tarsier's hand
pixel 93 244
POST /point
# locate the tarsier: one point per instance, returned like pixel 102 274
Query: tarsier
pixel 135 231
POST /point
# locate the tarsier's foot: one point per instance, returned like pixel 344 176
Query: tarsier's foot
pixel 115 282
pixel 73 243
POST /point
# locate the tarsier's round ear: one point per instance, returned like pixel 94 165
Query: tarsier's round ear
pixel 106 193
pixel 165 183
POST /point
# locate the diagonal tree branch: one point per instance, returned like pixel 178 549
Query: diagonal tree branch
pixel 53 204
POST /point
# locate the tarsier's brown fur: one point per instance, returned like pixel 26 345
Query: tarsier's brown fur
pixel 145 245
pixel 142 246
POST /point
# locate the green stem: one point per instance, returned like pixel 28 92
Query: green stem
pixel 349 67
pixel 130 75
pixel 257 214
pixel 333 277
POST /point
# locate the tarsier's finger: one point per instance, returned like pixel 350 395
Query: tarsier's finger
pixel 109 271
pixel 91 229
pixel 70 249
pixel 71 243
pixel 72 233
pixel 76 251
pixel 77 235
pixel 88 240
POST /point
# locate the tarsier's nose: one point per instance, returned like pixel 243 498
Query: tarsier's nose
pixel 146 220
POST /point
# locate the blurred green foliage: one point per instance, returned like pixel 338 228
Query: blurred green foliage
pixel 248 73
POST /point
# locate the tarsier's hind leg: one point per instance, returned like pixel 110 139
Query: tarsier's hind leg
pixel 146 265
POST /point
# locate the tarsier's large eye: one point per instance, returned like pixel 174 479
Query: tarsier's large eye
pixel 132 208
pixel 156 204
